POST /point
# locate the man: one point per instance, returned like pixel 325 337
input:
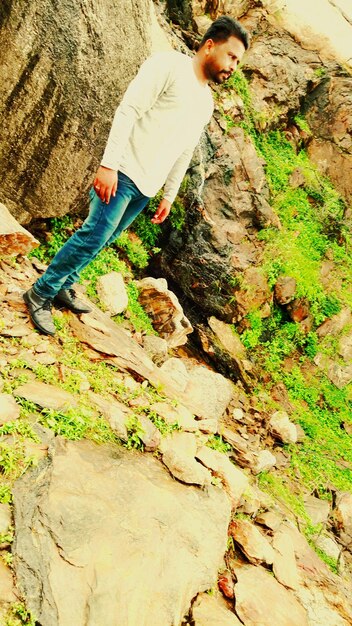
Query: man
pixel 155 130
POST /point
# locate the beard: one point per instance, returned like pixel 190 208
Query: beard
pixel 215 75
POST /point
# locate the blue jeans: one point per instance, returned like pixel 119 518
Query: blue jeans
pixel 103 225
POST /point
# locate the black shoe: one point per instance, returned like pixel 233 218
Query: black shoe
pixel 68 299
pixel 40 311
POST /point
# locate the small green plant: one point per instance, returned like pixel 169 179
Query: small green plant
pixel 302 123
pixel 135 251
pixel 216 442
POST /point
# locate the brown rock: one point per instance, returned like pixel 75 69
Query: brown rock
pixel 270 604
pixel 335 324
pixel 148 433
pixel 235 481
pixel 226 584
pixel 178 453
pixel 270 519
pixel 285 289
pixel 116 413
pixel 298 309
pixel 176 414
pixel 47 396
pixel 252 542
pixel 14 239
pixel 210 610
pixel 317 509
pixel 9 409
pixel 282 428
pixel 7 587
pixel 284 565
pixel 342 517
pixel 165 310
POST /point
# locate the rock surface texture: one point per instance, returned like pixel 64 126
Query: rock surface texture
pixel 104 525
pixel 55 114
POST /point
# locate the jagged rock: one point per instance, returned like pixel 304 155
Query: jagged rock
pixel 252 542
pixel 225 584
pixel 113 341
pixel 282 428
pixel 345 347
pixel 216 241
pixel 284 565
pixel 334 325
pixel 338 374
pixel 89 503
pixel 5 518
pixel 148 433
pixel 329 113
pixel 238 414
pixel 242 456
pixel 331 548
pixel 156 348
pixel 264 462
pixel 115 413
pixel 112 292
pixel 308 562
pixel 225 348
pixel 235 481
pixel 207 393
pixel 321 610
pixel 9 409
pixel 208 425
pixel 178 454
pixel 50 110
pixel 342 517
pixel 298 309
pixel 270 604
pixel 176 414
pixel 285 289
pixel 270 519
pixel 210 610
pixel 46 396
pixel 317 509
pixel 176 370
pixel 14 239
pixel 7 587
pixel 165 310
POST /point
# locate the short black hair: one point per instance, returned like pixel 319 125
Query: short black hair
pixel 223 28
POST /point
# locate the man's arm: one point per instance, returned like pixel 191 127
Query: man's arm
pixel 172 185
pixel 139 97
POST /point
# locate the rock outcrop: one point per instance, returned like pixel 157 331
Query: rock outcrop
pixel 55 113
pixel 107 526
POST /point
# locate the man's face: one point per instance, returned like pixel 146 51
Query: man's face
pixel 222 58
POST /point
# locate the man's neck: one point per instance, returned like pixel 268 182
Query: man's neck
pixel 198 69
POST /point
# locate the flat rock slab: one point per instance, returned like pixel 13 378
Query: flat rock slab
pixel 46 396
pixel 210 610
pixel 261 600
pixel 9 409
pixel 106 536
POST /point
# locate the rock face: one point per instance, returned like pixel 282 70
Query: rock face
pixel 329 113
pixel 216 243
pixel 105 537
pixel 55 114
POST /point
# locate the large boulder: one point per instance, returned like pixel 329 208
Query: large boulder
pixel 64 68
pixel 106 536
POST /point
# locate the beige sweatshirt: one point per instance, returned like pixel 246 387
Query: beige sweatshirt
pixel 158 124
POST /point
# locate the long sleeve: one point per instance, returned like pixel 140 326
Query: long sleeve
pixel 139 97
pixel 176 174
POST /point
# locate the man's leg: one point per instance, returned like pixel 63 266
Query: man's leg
pixel 76 253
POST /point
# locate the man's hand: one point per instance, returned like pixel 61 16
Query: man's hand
pixel 105 183
pixel 162 212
